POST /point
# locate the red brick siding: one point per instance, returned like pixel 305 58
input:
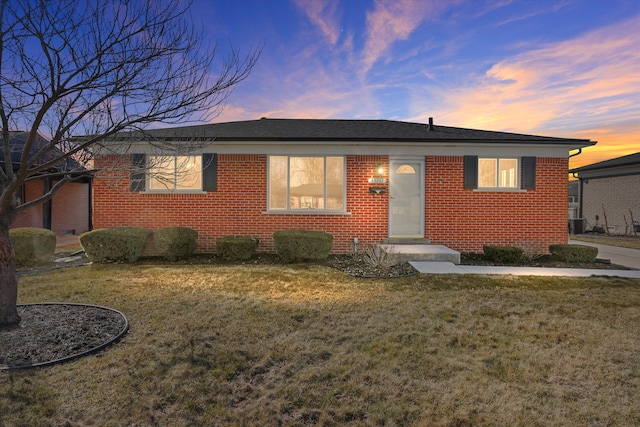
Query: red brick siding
pixel 462 219
pixel 466 219
pixel 239 206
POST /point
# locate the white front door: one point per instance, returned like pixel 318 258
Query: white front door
pixel 406 198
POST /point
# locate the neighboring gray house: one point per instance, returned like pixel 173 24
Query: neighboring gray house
pixel 576 224
pixel 609 195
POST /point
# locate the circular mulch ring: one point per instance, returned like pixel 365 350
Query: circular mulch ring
pixel 54 332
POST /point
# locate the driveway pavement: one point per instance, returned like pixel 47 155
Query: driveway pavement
pixel 620 256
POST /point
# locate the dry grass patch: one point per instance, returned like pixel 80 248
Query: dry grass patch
pixel 307 345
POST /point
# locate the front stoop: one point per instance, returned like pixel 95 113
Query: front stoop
pixel 424 252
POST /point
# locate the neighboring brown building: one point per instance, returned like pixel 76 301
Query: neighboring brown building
pixel 610 194
pixel 68 212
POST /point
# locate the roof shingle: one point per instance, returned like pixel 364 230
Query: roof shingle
pixel 342 130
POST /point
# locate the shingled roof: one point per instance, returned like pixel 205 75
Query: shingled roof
pixel 17 143
pixel 342 130
pixel 628 160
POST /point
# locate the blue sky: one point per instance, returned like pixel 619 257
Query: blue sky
pixel 561 68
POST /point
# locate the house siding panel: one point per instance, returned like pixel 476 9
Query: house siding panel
pixel 69 206
pixel 617 196
pixel 70 209
pixel 31 217
pixel 460 218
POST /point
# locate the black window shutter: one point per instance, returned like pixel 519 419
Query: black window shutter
pixel 471 172
pixel 137 174
pixel 210 172
pixel 528 173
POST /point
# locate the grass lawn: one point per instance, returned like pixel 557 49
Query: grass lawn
pixel 308 345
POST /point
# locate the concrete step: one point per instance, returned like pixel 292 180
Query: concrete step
pixel 406 241
pixel 424 252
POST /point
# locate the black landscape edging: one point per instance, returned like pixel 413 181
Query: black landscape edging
pixel 93 350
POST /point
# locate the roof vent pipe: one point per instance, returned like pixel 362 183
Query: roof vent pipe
pixel 430 124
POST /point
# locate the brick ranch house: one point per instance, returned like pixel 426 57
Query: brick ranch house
pixel 369 180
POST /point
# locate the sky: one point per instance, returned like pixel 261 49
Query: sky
pixel 565 68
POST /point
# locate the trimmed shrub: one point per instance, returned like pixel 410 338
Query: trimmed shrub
pixel 176 242
pixel 574 253
pixel 32 245
pixel 114 244
pixel 236 247
pixel 299 245
pixel 503 254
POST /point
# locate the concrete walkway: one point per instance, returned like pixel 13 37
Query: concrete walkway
pixel 619 256
pixel 431 267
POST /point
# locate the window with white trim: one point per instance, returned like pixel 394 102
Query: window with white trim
pixel 307 183
pixel 498 173
pixel 170 173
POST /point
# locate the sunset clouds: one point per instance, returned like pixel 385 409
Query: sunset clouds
pixel 567 69
pixel 570 88
pixel 390 21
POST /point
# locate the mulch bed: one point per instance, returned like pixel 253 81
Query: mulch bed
pixel 52 332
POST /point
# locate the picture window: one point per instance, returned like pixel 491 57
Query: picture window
pixel 306 183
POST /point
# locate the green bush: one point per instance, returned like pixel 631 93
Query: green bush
pixel 115 244
pixel 176 242
pixel 299 245
pixel 574 253
pixel 236 247
pixel 503 254
pixel 32 245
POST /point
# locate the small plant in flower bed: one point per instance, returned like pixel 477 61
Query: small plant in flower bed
pixel 32 245
pixel 236 248
pixel 379 258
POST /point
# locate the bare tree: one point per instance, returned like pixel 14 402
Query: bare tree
pixel 94 68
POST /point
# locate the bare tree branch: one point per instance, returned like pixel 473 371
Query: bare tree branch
pixel 98 68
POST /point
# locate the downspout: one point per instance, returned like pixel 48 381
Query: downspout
pixel 580 202
pixel 90 210
pixel 579 191
pixel 576 154
pixel 47 206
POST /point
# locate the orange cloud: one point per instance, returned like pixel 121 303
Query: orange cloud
pixel 586 87
pixel 612 143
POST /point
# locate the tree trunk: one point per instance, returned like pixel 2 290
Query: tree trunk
pixel 8 279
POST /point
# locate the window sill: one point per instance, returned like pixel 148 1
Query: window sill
pixel 173 192
pixel 306 212
pixel 499 190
